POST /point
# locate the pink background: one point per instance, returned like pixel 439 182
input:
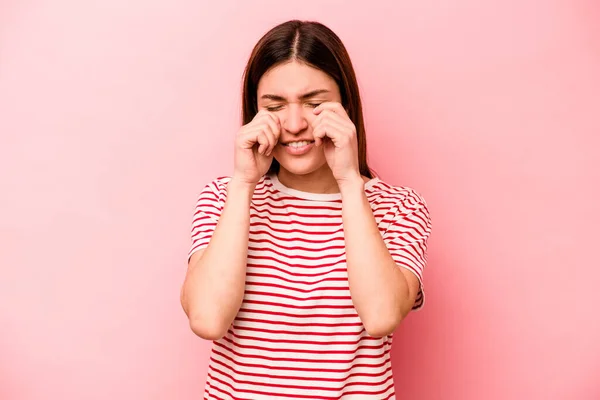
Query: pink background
pixel 114 114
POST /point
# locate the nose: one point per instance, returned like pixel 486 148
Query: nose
pixel 294 120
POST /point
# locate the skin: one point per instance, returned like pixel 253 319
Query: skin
pixel 297 102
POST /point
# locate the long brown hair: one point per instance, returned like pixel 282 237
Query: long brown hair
pixel 318 46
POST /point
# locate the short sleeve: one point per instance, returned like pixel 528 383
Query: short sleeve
pixel 207 212
pixel 406 238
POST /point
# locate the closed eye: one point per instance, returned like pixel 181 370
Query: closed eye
pixel 279 107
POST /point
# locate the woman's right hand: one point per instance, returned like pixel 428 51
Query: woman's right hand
pixel 254 145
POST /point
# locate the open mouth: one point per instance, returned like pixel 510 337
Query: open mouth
pixel 298 145
pixel 298 148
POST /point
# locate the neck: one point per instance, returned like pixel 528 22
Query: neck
pixel 319 181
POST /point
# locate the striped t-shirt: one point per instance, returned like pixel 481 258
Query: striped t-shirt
pixel 297 334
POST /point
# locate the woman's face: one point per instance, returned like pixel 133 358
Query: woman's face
pixel 291 91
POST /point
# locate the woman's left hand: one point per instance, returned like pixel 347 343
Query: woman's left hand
pixel 333 129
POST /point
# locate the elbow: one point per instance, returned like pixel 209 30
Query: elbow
pixel 379 323
pixel 208 329
pixel 379 330
pixel 380 326
pixel 204 326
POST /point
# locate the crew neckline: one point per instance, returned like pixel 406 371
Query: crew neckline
pixel 313 196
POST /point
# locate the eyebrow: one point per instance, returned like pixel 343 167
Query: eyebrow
pixel 305 96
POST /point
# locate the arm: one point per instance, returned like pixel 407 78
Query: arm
pixel 213 289
pixel 382 292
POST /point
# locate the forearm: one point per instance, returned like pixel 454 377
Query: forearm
pixel 379 290
pixel 214 287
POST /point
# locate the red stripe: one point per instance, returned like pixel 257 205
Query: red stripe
pixel 258 284
pixel 300 360
pixel 287 272
pixel 303 307
pixel 260 275
pixel 222 391
pixel 295 333
pixel 280 261
pixel 309 206
pixel 295 395
pixel 296 315
pixel 301 378
pixel 302 387
pixel 284 198
pixel 315 324
pixel 299 256
pixel 287 296
pixel 296 239
pixel 301 351
pixel 319 224
pixel 309 342
pixel 206 222
pixel 315 232
pixel 259 213
pixel 282 247
pixel 299 369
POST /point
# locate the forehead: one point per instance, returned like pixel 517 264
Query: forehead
pixel 292 79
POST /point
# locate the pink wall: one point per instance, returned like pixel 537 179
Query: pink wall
pixel 114 114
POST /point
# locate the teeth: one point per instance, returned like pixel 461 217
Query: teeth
pixel 298 144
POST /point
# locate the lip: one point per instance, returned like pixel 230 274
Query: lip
pixel 297 151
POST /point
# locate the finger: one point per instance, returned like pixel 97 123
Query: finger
pixel 319 134
pixel 336 127
pixel 319 131
pixel 254 138
pixel 320 119
pixel 334 131
pixel 342 120
pixel 276 123
pixel 272 119
pixel 333 106
pixel 269 123
pixel 266 130
pixel 263 141
pixel 260 114
pixel 274 131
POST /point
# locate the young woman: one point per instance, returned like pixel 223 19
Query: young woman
pixel 302 262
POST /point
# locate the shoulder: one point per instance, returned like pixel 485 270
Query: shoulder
pixel 214 191
pixel 397 196
pixel 218 183
pixel 400 207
